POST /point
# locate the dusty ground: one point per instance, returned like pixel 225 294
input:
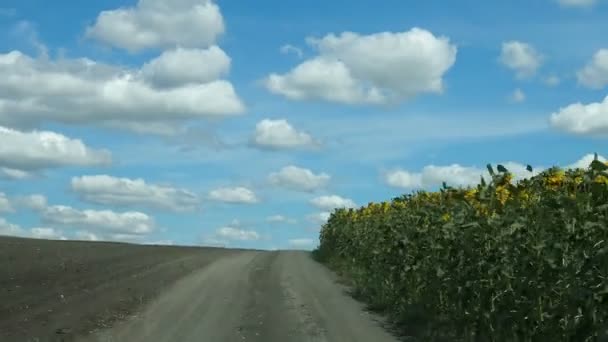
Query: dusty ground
pixel 54 290
pixel 116 292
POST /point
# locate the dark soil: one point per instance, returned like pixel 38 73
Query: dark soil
pixel 57 290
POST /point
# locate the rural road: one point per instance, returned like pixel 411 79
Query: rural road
pixel 251 296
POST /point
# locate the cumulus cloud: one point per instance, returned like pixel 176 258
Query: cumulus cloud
pixel 378 68
pixel 332 202
pixel 518 96
pixel 577 3
pixel 319 218
pixel 234 195
pixel 519 170
pixel 37 150
pixel 457 175
pixel 186 66
pixel 288 48
pixel 86 236
pixel 299 179
pixel 280 219
pixel 595 74
pixel 161 243
pixel 454 175
pixel 301 243
pixel 105 189
pixel 159 24
pixel 214 242
pixel 130 222
pixel 403 179
pixel 82 91
pixel 127 238
pixel 279 134
pixel 232 233
pixel 585 161
pixel 36 202
pixel 26 31
pixel 14 174
pixel 552 81
pixel 5 204
pixel 520 57
pixel 10 229
pixel 582 119
pixel 47 233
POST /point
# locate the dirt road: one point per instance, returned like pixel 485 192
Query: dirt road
pixel 253 296
pixel 224 295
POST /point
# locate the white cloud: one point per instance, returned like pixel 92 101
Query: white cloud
pixel 161 243
pixel 86 236
pixel 595 74
pixel 26 31
pixel 299 179
pixel 454 175
pixel 457 175
pixel 552 81
pixel 301 243
pixel 82 91
pixel 585 161
pixel 518 170
pixel 10 229
pixel 104 189
pixel 403 179
pixel 36 202
pixel 590 119
pixel 319 218
pixel 520 57
pixel 332 201
pixel 186 66
pixel 5 204
pixel 128 238
pixel 163 128
pixel 288 48
pixel 159 24
pixel 214 242
pixel 281 219
pixel 8 173
pixel 373 69
pixel 577 3
pixel 518 96
pixel 323 78
pixel 234 195
pixel 47 233
pixel 232 233
pixel 130 222
pixel 278 134
pixel 37 150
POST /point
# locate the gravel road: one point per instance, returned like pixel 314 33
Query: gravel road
pixel 253 296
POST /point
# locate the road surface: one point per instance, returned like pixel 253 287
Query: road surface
pixel 98 291
pixel 252 296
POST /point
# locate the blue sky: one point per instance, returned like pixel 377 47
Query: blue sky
pixel 242 124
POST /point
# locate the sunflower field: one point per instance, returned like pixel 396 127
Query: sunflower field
pixel 502 261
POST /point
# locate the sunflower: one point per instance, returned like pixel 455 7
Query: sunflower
pixel 446 217
pixel 602 179
pixel 470 195
pixel 555 179
pixel 502 193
